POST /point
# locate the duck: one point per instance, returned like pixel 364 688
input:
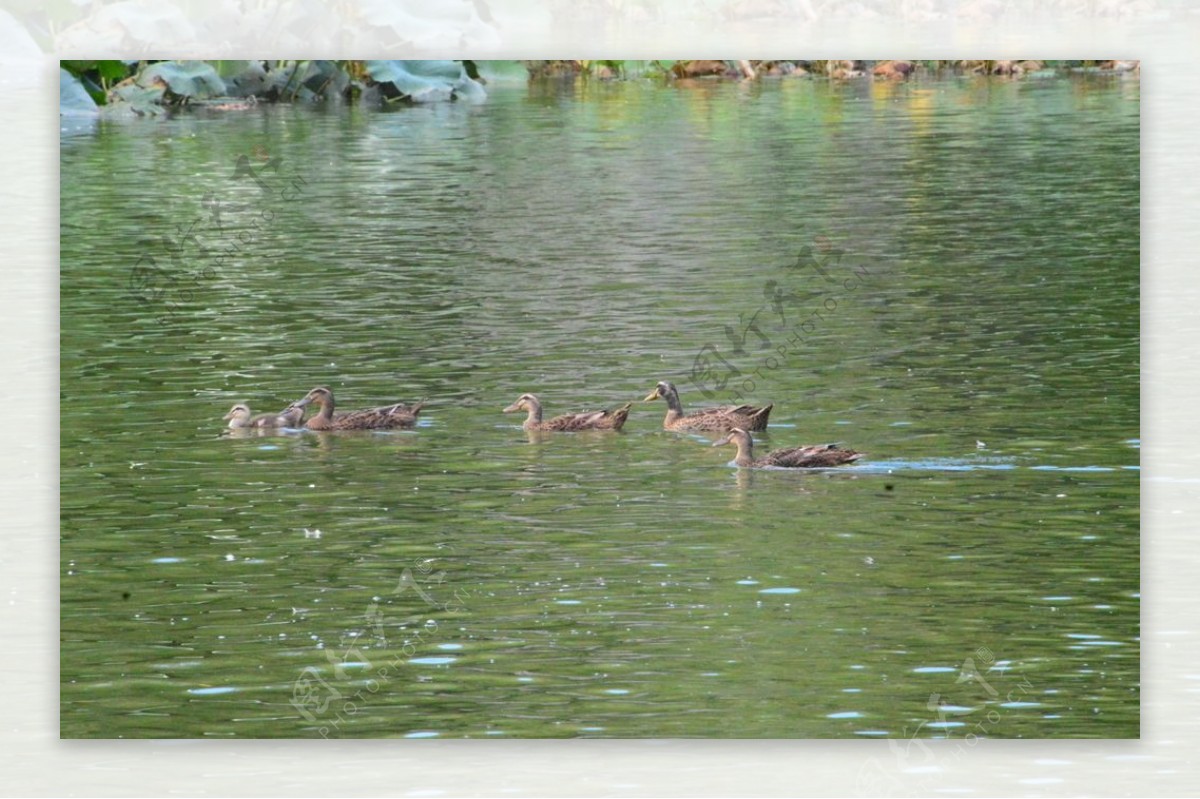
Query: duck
pixel 240 416
pixel 721 418
pixel 588 420
pixel 385 417
pixel 812 457
pixel 893 69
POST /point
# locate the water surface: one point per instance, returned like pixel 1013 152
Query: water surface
pixel 973 329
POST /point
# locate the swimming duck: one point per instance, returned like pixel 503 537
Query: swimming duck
pixel 239 417
pixel 721 418
pixel 383 418
pixel 792 458
pixel 588 420
pixel 893 69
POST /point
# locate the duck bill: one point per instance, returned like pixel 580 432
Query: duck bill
pixel 653 395
pixel 227 417
pixel 724 440
pixel 516 406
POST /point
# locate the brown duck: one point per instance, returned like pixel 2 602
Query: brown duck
pixel 239 417
pixel 386 417
pixel 794 458
pixel 723 418
pixel 588 420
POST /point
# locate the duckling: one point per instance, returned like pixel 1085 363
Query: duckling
pixel 588 420
pixel 720 418
pixel 383 418
pixel 793 458
pixel 239 416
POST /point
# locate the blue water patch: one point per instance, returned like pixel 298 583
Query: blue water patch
pixel 167 560
pixel 449 647
pixel 963 465
pixel 780 591
pixel 936 465
pixel 269 446
pixel 422 734
pixel 945 725
pixel 878 733
pixel 1019 705
pixel 567 602
pixel 1073 468
pixel 432 661
pixel 223 689
pixel 616 691
pixel 747 582
pixel 1058 598
pixel 934 670
pixel 847 714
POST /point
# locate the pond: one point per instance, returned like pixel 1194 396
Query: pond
pixel 943 275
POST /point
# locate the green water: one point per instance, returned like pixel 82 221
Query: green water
pixel 973 329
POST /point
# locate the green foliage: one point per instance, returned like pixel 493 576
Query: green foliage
pixel 73 99
pixel 424 81
pixel 242 78
pixel 97 77
pixel 141 100
pixel 185 79
pixel 308 80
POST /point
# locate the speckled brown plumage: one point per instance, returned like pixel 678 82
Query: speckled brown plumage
pixel 588 420
pixel 811 457
pixel 386 417
pixel 240 417
pixel 728 417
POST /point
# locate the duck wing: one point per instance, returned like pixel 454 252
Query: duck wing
pixel 588 420
pixel 726 417
pixel 385 417
pixel 810 457
pixel 722 410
